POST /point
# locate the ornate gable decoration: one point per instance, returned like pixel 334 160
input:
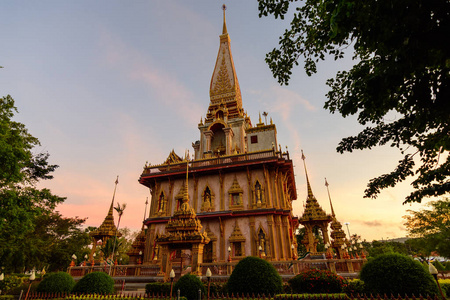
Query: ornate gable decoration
pixel 236 235
pixel 223 83
pixel 235 196
pixel 313 211
pixel 173 158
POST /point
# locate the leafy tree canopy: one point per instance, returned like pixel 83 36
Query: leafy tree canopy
pixel 31 232
pixel 399 87
pixel 432 226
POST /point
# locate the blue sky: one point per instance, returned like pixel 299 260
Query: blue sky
pixel 109 85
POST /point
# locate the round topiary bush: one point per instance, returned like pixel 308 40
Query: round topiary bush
pixel 189 285
pixel 316 282
pixel 393 273
pixel 254 275
pixel 60 282
pixel 95 283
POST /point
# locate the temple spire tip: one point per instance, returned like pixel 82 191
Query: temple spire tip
pixel 224 30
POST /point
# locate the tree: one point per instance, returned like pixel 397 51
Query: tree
pixel 30 230
pixel 399 87
pixel 432 226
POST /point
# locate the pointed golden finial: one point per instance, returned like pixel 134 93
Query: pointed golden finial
pixel 310 193
pixel 271 123
pixel 114 194
pixel 329 197
pixel 224 30
pixel 260 121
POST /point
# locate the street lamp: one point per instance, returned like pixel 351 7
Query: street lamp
pixel 229 253
pixel 348 230
pixel 260 251
pixel 172 277
pixel 93 259
pixel 140 261
pixel 74 258
pixel 434 272
pixel 2 277
pixel 293 252
pixel 85 259
pixel 208 276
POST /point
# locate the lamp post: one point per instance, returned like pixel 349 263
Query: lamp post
pixel 93 259
pixel 74 258
pixel 208 277
pixel 348 230
pixel 140 261
pixel 293 252
pixel 229 253
pixel 32 277
pixel 434 272
pixel 2 277
pixel 172 277
pixel 85 259
pixel 260 251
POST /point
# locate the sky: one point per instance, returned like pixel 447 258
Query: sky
pixel 108 85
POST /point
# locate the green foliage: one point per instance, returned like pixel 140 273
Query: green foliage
pixel 161 288
pixel 10 282
pixel 60 282
pixel 95 283
pixel 431 226
pixel 34 235
pixel 354 287
pixel 438 265
pixel 447 265
pixel 254 275
pixel 6 297
pixel 445 286
pixel 398 87
pixel 397 274
pixel 189 285
pixel 377 248
pixel 317 281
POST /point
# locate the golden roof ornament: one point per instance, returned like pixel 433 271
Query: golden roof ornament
pixel 313 211
pixel 108 228
pixel 224 86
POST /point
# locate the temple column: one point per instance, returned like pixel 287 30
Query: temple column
pixel 197 259
pixel 208 136
pixel 228 138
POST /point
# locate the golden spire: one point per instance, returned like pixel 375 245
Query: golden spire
pixel 312 211
pixel 329 197
pixel 224 30
pixel 224 90
pixel 108 227
pixel 310 193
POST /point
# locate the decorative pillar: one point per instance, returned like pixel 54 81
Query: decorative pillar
pixel 228 139
pixel 208 136
pixel 197 259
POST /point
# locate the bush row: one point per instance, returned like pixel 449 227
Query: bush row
pixel 385 274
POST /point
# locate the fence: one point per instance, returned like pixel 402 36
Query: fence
pixel 218 269
pixel 44 296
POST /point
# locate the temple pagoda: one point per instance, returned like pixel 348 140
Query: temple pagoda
pixel 233 197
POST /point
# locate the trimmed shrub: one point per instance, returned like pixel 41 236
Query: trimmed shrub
pixel 447 265
pixel 60 282
pixel 11 282
pixel 316 282
pixel 254 275
pixel 160 288
pixel 95 283
pixel 438 265
pixel 395 273
pixel 189 285
pixel 445 286
pixel 354 287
